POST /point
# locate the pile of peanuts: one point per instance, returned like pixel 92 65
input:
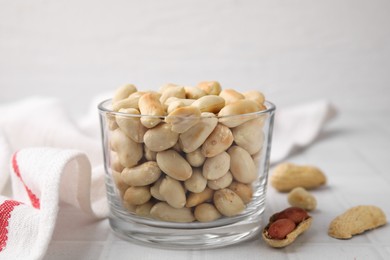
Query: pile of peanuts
pixel 185 154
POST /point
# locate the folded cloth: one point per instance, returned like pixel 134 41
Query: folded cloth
pixel 49 158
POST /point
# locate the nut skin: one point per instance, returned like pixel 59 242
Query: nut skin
pixel 293 213
pixel 280 228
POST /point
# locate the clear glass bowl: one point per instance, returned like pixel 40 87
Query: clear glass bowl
pixel 142 228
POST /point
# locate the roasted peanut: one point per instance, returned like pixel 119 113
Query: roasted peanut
pixel 137 195
pixel 172 105
pixel 218 141
pixel 129 102
pixel 228 203
pixel 160 138
pixel 286 226
pixel 120 184
pixel 155 190
pixel 231 96
pixel 164 211
pixel 174 165
pixel 130 124
pixel 115 163
pixel 173 91
pixel 288 176
pixel 149 154
pixel 356 220
pixel 233 114
pixel 196 183
pixel 299 197
pixel 143 210
pixel 241 165
pixel 243 190
pixel 196 158
pixel 256 96
pixel 194 137
pixel 206 212
pixel 123 92
pixel 141 175
pixel 183 118
pixel 217 166
pixel 194 92
pixel 129 152
pixel 173 192
pixel 198 198
pixel 249 135
pixel 152 109
pixel 210 87
pixel 220 183
pixel 209 103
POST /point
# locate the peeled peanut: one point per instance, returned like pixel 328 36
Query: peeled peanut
pixel 163 211
pixel 250 135
pixel 206 212
pixel 234 114
pixel 183 118
pixel 231 96
pixel 137 195
pixel 220 183
pixel 217 166
pixel 149 154
pixel 174 165
pixel 119 183
pixel 155 190
pixel 196 183
pixel 195 158
pixel 198 198
pixel 256 96
pixel 194 92
pixel 130 124
pixel 115 163
pixel 172 105
pixel 245 191
pixel 141 175
pixel 241 165
pixel 356 220
pixel 143 210
pixel 299 197
pixel 209 103
pixel 173 192
pixel 173 91
pixel 129 152
pixel 111 122
pixel 160 138
pixel 228 203
pixel 129 102
pixel 152 109
pixel 218 141
pixel 194 137
pixel 288 176
pixel 123 92
pixel 210 87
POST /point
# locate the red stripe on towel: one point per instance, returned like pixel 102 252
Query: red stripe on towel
pixel 5 213
pixel 33 198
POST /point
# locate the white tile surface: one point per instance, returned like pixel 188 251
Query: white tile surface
pixel 354 178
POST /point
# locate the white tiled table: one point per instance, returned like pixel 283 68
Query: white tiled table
pixel 353 151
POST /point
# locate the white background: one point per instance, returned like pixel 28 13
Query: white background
pixel 294 51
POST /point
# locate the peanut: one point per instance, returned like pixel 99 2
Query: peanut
pixel 217 166
pixel 206 212
pixel 288 176
pixel 173 91
pixel 198 198
pixel 141 175
pixel 249 135
pixel 183 118
pixel 210 87
pixel 160 138
pixel 130 124
pixel 209 103
pixel 286 226
pixel 299 197
pixel 194 92
pixel 228 203
pixel 231 96
pixel 174 104
pixel 155 190
pixel 174 165
pixel 129 152
pixel 196 183
pixel 164 211
pixel 195 158
pixel 221 182
pixel 218 141
pixel 137 195
pixel 152 109
pixel 173 192
pixel 241 165
pixel 232 114
pixel 243 190
pixel 256 96
pixel 143 210
pixel 123 92
pixel 356 220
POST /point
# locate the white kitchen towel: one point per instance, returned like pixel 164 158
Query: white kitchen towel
pixel 49 158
